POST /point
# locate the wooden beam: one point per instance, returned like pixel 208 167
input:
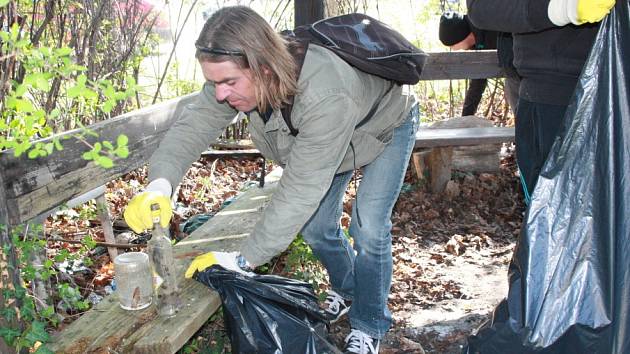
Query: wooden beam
pixel 440 137
pixel 231 153
pixel 233 144
pixel 440 160
pixel 418 160
pixel 467 64
pixel 36 186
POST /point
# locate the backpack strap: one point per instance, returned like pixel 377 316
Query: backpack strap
pixel 375 106
pixel 298 49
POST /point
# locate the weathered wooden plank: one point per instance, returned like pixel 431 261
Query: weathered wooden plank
pixel 419 164
pixel 108 327
pixel 35 186
pixel 468 64
pixel 234 144
pixel 231 153
pixel 165 336
pixel 224 232
pixel 478 158
pixel 101 329
pixel 438 137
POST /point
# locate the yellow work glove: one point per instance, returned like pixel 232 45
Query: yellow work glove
pixel 139 216
pixel 577 12
pixel 227 260
pixel 592 11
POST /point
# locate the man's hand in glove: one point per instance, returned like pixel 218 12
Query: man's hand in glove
pixel 577 12
pixel 138 213
pixel 228 260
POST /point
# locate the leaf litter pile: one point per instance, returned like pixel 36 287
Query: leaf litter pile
pixel 450 250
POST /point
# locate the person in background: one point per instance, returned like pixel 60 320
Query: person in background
pixel 552 39
pixel 248 68
pixel 457 33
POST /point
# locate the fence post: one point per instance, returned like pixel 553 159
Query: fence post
pixel 106 222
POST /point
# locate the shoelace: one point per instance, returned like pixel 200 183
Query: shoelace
pixel 334 301
pixel 359 342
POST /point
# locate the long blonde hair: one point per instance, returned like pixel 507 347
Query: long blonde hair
pixel 239 34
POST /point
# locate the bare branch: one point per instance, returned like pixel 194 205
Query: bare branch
pixel 49 10
pixel 170 56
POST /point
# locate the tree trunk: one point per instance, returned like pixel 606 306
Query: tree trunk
pixel 308 11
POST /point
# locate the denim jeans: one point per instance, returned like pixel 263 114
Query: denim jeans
pixel 364 273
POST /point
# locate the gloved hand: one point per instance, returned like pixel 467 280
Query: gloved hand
pixel 138 214
pixel 563 12
pixel 227 260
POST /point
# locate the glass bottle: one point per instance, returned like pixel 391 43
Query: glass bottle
pixel 161 253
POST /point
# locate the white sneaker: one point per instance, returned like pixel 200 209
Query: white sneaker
pixel 336 306
pixel 361 343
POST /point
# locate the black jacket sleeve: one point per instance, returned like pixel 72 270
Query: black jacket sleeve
pixel 515 16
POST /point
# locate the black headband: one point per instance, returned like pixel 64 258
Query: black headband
pixel 218 51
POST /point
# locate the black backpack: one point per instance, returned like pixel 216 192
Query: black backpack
pixel 365 43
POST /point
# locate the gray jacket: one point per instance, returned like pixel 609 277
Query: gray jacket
pixel 333 98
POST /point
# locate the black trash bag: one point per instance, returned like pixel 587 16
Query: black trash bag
pixel 570 275
pixel 194 222
pixel 268 313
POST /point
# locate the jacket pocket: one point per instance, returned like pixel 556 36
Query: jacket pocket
pixel 279 138
pixel 284 141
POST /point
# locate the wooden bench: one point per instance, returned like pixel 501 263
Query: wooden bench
pixel 32 189
pixel 107 328
pixel 439 143
pixel 436 144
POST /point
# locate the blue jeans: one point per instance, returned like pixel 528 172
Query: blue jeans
pixel 364 274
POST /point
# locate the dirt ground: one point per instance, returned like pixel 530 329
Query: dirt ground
pixel 472 284
pixel 451 253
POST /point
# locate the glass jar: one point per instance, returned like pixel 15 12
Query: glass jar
pixel 134 281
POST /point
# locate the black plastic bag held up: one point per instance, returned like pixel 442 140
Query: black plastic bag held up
pixel 570 275
pixel 269 314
